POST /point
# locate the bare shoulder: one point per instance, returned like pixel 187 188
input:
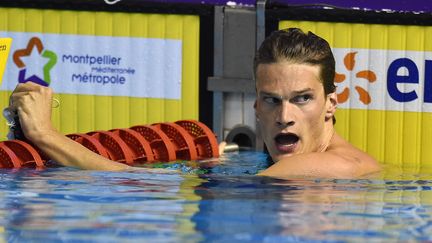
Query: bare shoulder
pixel 340 160
pixel 353 157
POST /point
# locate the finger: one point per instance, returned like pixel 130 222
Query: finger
pixel 222 147
pixel 28 86
pixel 18 90
pixel 21 99
pixel 16 100
pixel 20 107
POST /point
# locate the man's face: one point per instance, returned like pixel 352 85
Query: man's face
pixel 292 109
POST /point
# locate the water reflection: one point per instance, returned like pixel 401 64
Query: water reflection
pixel 394 205
pixel 76 205
pixel 180 203
pixel 311 210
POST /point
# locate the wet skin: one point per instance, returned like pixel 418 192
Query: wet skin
pixel 294 113
pixel 295 119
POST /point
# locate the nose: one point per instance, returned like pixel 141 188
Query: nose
pixel 285 117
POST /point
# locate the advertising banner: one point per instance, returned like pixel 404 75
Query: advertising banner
pixel 5 45
pixel 384 88
pixel 107 69
pixel 96 65
pixel 386 80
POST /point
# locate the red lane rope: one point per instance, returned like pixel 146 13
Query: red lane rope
pixel 117 149
pixel 8 158
pixel 162 147
pixel 140 148
pixel 183 142
pixel 27 155
pixel 180 140
pixel 204 138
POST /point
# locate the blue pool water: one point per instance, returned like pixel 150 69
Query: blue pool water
pixel 179 202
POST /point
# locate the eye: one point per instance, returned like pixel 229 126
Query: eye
pixel 271 100
pixel 301 99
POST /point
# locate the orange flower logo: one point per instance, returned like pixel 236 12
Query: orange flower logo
pixel 370 76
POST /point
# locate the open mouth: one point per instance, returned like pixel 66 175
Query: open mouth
pixel 286 142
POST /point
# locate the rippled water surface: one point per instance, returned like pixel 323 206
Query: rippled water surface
pixel 179 202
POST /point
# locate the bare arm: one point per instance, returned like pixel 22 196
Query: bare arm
pixel 33 104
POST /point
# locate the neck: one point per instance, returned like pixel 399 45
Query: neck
pixel 327 137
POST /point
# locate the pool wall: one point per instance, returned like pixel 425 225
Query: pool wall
pixel 382 53
pixel 383 65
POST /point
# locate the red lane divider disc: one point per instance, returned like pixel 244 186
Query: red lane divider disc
pixel 89 142
pixel 8 158
pixel 162 147
pixel 204 138
pixel 183 142
pixel 140 147
pixel 117 149
pixel 185 139
pixel 27 155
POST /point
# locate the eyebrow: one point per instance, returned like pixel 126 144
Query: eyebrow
pixel 303 91
pixel 268 94
pixel 298 92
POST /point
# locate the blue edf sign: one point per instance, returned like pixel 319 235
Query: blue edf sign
pixel 412 77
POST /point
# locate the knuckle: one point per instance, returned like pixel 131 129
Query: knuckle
pixel 45 90
pixel 31 95
pixel 39 88
pixel 49 90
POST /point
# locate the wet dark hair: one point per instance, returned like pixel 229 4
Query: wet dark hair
pixel 295 46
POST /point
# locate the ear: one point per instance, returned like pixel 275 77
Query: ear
pixel 331 105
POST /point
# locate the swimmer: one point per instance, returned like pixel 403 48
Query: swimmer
pixel 295 107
